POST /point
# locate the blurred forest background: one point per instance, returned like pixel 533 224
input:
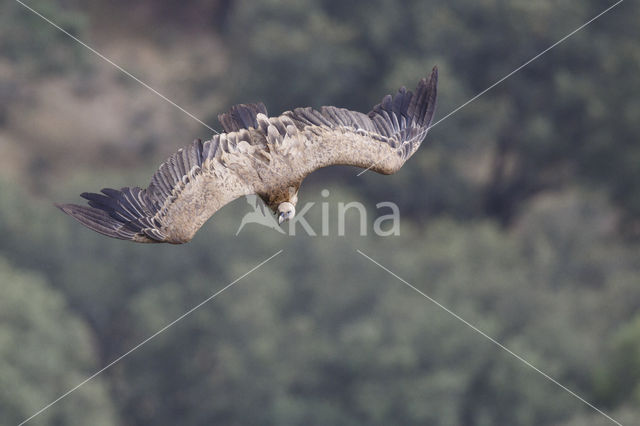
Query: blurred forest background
pixel 521 213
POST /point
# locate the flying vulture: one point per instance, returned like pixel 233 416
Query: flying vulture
pixel 262 155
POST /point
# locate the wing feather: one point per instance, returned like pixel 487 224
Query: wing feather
pixel 242 116
pixel 186 190
pixel 381 140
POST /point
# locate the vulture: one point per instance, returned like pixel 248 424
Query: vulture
pixel 261 155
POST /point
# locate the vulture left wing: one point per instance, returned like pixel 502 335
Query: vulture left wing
pixel 381 140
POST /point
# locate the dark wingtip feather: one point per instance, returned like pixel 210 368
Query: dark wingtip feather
pixel 63 207
pixel 96 220
pixel 432 94
pixel 432 84
pixel 72 210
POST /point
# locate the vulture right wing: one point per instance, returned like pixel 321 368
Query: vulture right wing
pixel 186 190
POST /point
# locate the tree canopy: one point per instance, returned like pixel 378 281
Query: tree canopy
pixel 519 213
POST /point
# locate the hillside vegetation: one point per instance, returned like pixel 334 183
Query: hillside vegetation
pixel 520 213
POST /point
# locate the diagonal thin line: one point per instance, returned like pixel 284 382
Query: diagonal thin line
pixel 512 72
pixel 118 67
pixel 492 340
pixel 115 361
pixel 528 62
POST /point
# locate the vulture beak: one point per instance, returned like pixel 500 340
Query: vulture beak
pixel 282 217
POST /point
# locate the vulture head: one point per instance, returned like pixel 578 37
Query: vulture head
pixel 286 208
pixel 286 211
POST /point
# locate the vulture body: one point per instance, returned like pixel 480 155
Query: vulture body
pixel 257 154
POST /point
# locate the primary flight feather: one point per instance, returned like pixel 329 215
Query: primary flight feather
pixel 257 154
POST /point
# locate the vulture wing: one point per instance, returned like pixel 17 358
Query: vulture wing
pixel 186 190
pixel 381 140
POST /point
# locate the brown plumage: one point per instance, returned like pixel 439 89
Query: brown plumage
pixel 268 156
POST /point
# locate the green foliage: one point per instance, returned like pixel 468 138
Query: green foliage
pixel 620 380
pixel 321 335
pixel 293 49
pixel 31 48
pixel 36 47
pixel 515 215
pixel 44 350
